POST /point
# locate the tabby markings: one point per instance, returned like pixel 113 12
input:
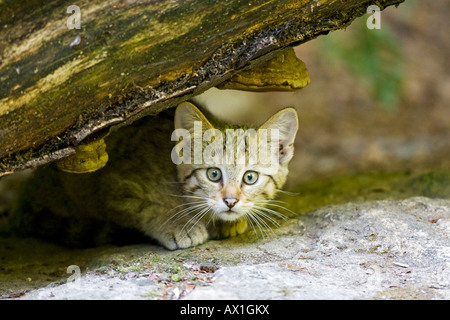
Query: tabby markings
pixel 241 147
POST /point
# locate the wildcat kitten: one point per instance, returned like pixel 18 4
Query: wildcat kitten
pixel 141 188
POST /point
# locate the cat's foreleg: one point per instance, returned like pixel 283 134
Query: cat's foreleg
pixel 225 229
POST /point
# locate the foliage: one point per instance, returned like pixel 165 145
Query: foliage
pixel 373 55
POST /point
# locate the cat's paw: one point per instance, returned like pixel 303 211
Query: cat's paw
pixel 181 238
pixel 229 229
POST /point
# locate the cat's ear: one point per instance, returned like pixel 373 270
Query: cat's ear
pixel 286 121
pixel 187 114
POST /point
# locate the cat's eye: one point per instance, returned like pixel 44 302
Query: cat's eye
pixel 214 174
pixel 250 177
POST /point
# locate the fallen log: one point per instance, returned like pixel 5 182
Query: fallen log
pixel 69 73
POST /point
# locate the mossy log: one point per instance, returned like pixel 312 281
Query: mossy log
pixel 60 85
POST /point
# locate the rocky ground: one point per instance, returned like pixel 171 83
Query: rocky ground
pixel 397 249
pixel 365 249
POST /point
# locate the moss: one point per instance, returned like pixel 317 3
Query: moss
pixel 430 184
pixel 367 186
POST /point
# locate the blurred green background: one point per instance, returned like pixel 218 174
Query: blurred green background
pixel 377 101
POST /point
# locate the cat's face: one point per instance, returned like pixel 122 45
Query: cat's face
pixel 231 191
pixel 232 188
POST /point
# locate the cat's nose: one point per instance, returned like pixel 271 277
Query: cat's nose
pixel 230 201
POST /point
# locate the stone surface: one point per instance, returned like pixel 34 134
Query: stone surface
pixel 390 249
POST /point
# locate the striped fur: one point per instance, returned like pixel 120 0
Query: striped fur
pixel 140 188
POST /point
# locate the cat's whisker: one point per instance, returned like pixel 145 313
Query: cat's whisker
pixel 273 204
pixel 194 220
pixel 265 228
pixel 183 213
pixel 202 210
pixel 288 192
pixel 251 218
pixel 265 215
pixel 187 196
pixel 186 211
pixel 211 218
pixel 249 221
pixel 261 218
pixel 268 210
pixel 278 214
pixel 186 204
pixel 189 191
pixel 259 223
pixel 270 201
